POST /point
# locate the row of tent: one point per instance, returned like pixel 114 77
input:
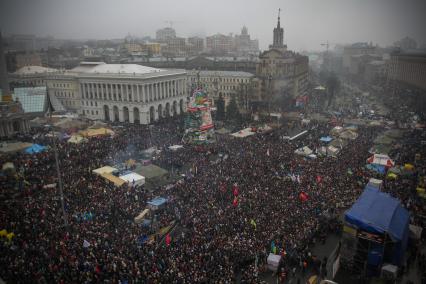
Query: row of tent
pixel 383 142
pixel 332 144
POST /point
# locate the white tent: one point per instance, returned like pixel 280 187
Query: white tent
pixel 104 170
pixel 76 139
pixel 332 151
pixel 336 130
pixel 304 151
pixel 273 261
pixel 133 179
pixel 243 133
pixel 348 134
pixel 175 147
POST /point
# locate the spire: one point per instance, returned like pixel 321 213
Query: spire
pixel 278 40
pixel 279 11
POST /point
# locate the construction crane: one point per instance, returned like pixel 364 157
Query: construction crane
pixel 327 45
pixel 325 57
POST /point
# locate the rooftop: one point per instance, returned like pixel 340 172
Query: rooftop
pixel 123 69
pixel 27 70
pixel 204 73
pixel 85 66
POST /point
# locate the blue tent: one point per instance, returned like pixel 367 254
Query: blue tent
pixel 377 168
pixel 378 213
pixel 326 139
pixel 35 148
pixel 158 201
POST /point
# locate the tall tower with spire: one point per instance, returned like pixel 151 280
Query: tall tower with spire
pixel 278 42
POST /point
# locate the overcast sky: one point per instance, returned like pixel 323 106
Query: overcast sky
pixel 307 23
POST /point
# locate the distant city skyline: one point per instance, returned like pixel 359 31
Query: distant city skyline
pixel 307 23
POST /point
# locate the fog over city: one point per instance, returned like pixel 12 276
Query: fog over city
pixel 307 23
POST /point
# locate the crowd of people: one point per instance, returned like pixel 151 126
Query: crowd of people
pixel 240 200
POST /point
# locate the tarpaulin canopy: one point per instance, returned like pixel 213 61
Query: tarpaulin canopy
pixel 332 151
pixel 377 168
pixel 381 159
pixel 35 148
pixel 336 130
pixel 8 166
pixel 304 151
pixel 141 216
pixel 348 134
pixel 243 133
pixel 133 178
pixel 117 181
pixel 157 203
pixel 326 139
pixel 378 212
pixel 96 132
pixel 104 170
pixel 76 139
pixel 175 147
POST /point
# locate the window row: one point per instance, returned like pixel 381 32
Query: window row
pixel 88 112
pixel 64 94
pixel 61 85
pixel 137 93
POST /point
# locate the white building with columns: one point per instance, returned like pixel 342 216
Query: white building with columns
pixel 132 93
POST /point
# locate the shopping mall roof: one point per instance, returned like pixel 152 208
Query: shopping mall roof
pixel 34 99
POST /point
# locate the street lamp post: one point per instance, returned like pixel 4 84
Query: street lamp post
pixel 58 172
pixel 270 94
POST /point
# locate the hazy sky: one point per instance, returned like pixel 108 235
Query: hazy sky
pixel 307 23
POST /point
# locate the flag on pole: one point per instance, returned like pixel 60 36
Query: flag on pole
pixel 253 223
pixel 235 192
pixel 303 196
pixel 267 152
pixel 319 179
pixel 168 239
pixel 235 202
pixel 86 244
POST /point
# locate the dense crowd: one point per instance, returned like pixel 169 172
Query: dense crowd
pixel 238 197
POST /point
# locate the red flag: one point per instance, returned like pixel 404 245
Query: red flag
pixel 319 179
pixel 303 196
pixel 235 191
pixel 168 240
pixel 235 202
